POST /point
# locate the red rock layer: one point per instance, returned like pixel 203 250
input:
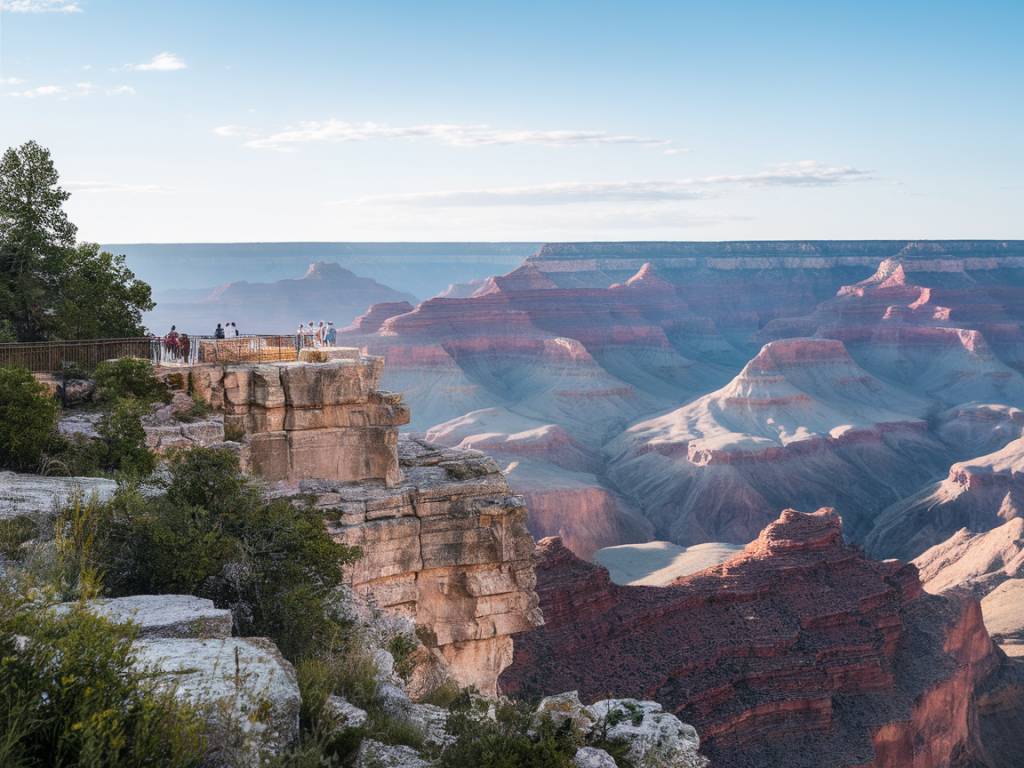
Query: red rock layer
pixel 798 652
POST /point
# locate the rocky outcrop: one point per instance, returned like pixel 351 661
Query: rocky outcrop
pixel 797 652
pixel 447 547
pixel 802 424
pixel 38 497
pixel 979 495
pixel 325 421
pixel 244 690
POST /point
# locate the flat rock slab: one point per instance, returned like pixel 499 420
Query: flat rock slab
pixel 38 496
pixel 166 616
pixel 246 690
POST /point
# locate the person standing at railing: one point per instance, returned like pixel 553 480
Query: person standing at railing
pixel 332 333
pixel 172 342
pixel 218 332
pixel 185 345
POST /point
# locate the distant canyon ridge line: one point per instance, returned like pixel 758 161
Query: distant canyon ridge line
pixel 689 392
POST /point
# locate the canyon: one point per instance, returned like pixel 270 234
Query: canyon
pixel 798 651
pixel 688 392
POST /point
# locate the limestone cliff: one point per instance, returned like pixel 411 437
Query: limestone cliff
pixel 448 548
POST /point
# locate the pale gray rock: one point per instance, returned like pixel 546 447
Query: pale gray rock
pixel 167 616
pixel 83 424
pixel 373 754
pixel 245 689
pixel 655 739
pixel 342 714
pixel 38 497
pixel 562 707
pixel 394 700
pixel 592 757
pixel 431 720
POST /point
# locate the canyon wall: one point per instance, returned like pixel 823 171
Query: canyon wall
pixel 797 652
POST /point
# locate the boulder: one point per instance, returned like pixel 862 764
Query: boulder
pixel 244 688
pixel 165 616
pixel 655 739
pixel 37 496
pixel 565 706
pixel 342 714
pixel 592 757
pixel 373 754
pixel 431 720
pixel 77 391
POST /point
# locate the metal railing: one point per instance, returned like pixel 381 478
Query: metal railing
pixel 52 356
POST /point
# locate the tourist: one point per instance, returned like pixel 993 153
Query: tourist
pixel 219 332
pixel 185 345
pixel 172 342
pixel 235 329
pixel 332 333
pixel 312 334
pixel 321 334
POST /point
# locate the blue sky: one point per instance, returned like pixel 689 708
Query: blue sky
pixel 231 121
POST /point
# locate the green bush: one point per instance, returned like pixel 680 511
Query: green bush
pixel 70 696
pixel 28 419
pixel 506 742
pixel 123 439
pixel 129 377
pixel 211 534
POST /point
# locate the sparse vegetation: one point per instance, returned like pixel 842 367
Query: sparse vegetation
pixel 70 696
pixel 28 419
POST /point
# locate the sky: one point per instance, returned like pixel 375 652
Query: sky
pixel 200 121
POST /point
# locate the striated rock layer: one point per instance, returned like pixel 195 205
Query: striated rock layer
pixel 979 495
pixel 447 547
pixel 796 652
pixel 802 424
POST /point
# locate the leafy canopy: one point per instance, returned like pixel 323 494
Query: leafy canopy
pixel 49 287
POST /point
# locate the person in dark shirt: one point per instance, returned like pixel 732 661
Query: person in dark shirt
pixel 219 333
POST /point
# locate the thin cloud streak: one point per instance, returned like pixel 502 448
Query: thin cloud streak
pixel 455 135
pixel 802 174
pixel 162 62
pixel 40 6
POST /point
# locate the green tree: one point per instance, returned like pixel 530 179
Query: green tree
pixel 99 297
pixel 35 236
pixel 49 287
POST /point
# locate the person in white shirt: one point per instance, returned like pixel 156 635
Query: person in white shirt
pixel 321 334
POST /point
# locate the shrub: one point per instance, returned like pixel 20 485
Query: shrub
pixel 505 742
pixel 129 377
pixel 70 696
pixel 123 439
pixel 15 531
pixel 28 419
pixel 211 534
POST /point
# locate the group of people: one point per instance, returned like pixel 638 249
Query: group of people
pixel 177 345
pixel 322 335
pixel 228 330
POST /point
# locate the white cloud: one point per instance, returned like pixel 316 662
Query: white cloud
pixel 677 151
pixel 40 92
pixel 162 62
pixel 40 6
pixel 109 186
pixel 455 135
pixel 806 173
pixel 121 90
pixel 11 81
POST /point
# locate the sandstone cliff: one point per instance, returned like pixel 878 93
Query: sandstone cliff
pixel 797 652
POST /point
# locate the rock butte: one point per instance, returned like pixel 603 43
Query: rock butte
pixel 797 652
